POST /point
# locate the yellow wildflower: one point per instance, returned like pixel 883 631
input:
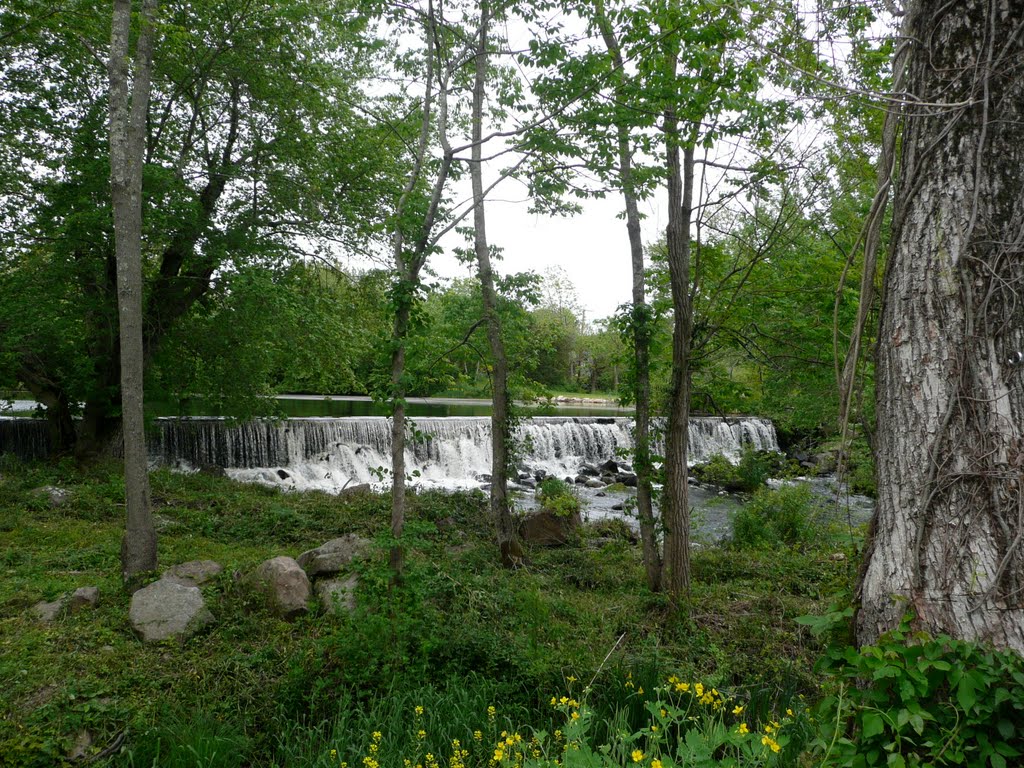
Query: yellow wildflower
pixel 554 702
pixel 571 679
pixel 491 712
pixel 789 712
pixel 664 712
pixel 564 700
pixel 737 709
pixel 655 763
pixel 699 689
pixel 377 736
pixel 640 690
pixel 478 735
pixel 575 715
pixel 334 754
pixel 418 710
pixel 673 680
pixel 499 753
pixel 637 756
pixel 421 734
pixel 743 728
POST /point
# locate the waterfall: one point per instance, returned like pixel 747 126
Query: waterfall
pixel 330 453
pixel 28 439
pixel 453 452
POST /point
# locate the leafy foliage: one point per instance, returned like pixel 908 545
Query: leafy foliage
pixel 772 519
pixel 558 497
pixel 917 700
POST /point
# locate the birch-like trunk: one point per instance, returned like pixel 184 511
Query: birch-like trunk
pixel 128 109
pixel 949 525
pixel 508 544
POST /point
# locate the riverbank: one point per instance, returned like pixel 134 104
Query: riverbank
pixel 462 634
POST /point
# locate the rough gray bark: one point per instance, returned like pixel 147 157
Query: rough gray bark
pixel 675 506
pixel 128 109
pixel 508 544
pixel 641 321
pixel 949 524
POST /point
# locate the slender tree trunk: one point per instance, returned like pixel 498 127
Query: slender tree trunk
pixel 675 497
pixel 508 543
pixel 408 265
pixel 399 334
pixel 949 525
pixel 641 322
pixel 127 145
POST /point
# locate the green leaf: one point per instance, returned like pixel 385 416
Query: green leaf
pixel 872 724
pixel 966 696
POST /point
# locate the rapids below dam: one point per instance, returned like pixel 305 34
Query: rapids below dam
pixel 453 452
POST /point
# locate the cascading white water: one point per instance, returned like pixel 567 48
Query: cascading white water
pixel 454 452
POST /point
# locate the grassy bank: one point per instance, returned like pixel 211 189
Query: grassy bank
pixel 460 636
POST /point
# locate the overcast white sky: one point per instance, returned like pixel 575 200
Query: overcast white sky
pixel 591 247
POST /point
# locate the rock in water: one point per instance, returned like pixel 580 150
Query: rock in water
pixel 285 586
pixel 333 556
pixel 166 610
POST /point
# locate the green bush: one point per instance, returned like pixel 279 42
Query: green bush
pixel 746 476
pixel 558 497
pixel 918 700
pixel 771 519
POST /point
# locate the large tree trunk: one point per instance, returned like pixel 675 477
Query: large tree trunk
pixel 641 326
pixel 127 144
pixel 675 496
pixel 508 544
pixel 949 525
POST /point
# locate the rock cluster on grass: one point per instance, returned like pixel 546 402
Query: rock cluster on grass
pixel 173 607
pixel 286 583
pixel 329 560
pixel 83 597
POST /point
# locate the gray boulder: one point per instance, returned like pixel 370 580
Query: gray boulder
pixel 83 597
pixel 47 612
pixel 166 610
pixel 57 496
pixel 337 595
pixel 544 529
pixel 356 490
pixel 285 585
pixel 333 556
pixel 194 573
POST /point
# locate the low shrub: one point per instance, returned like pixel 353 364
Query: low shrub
pixel 558 497
pixel 771 519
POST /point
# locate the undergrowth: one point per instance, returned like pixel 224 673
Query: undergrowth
pixel 461 634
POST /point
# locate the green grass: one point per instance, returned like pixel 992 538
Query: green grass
pixel 460 634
